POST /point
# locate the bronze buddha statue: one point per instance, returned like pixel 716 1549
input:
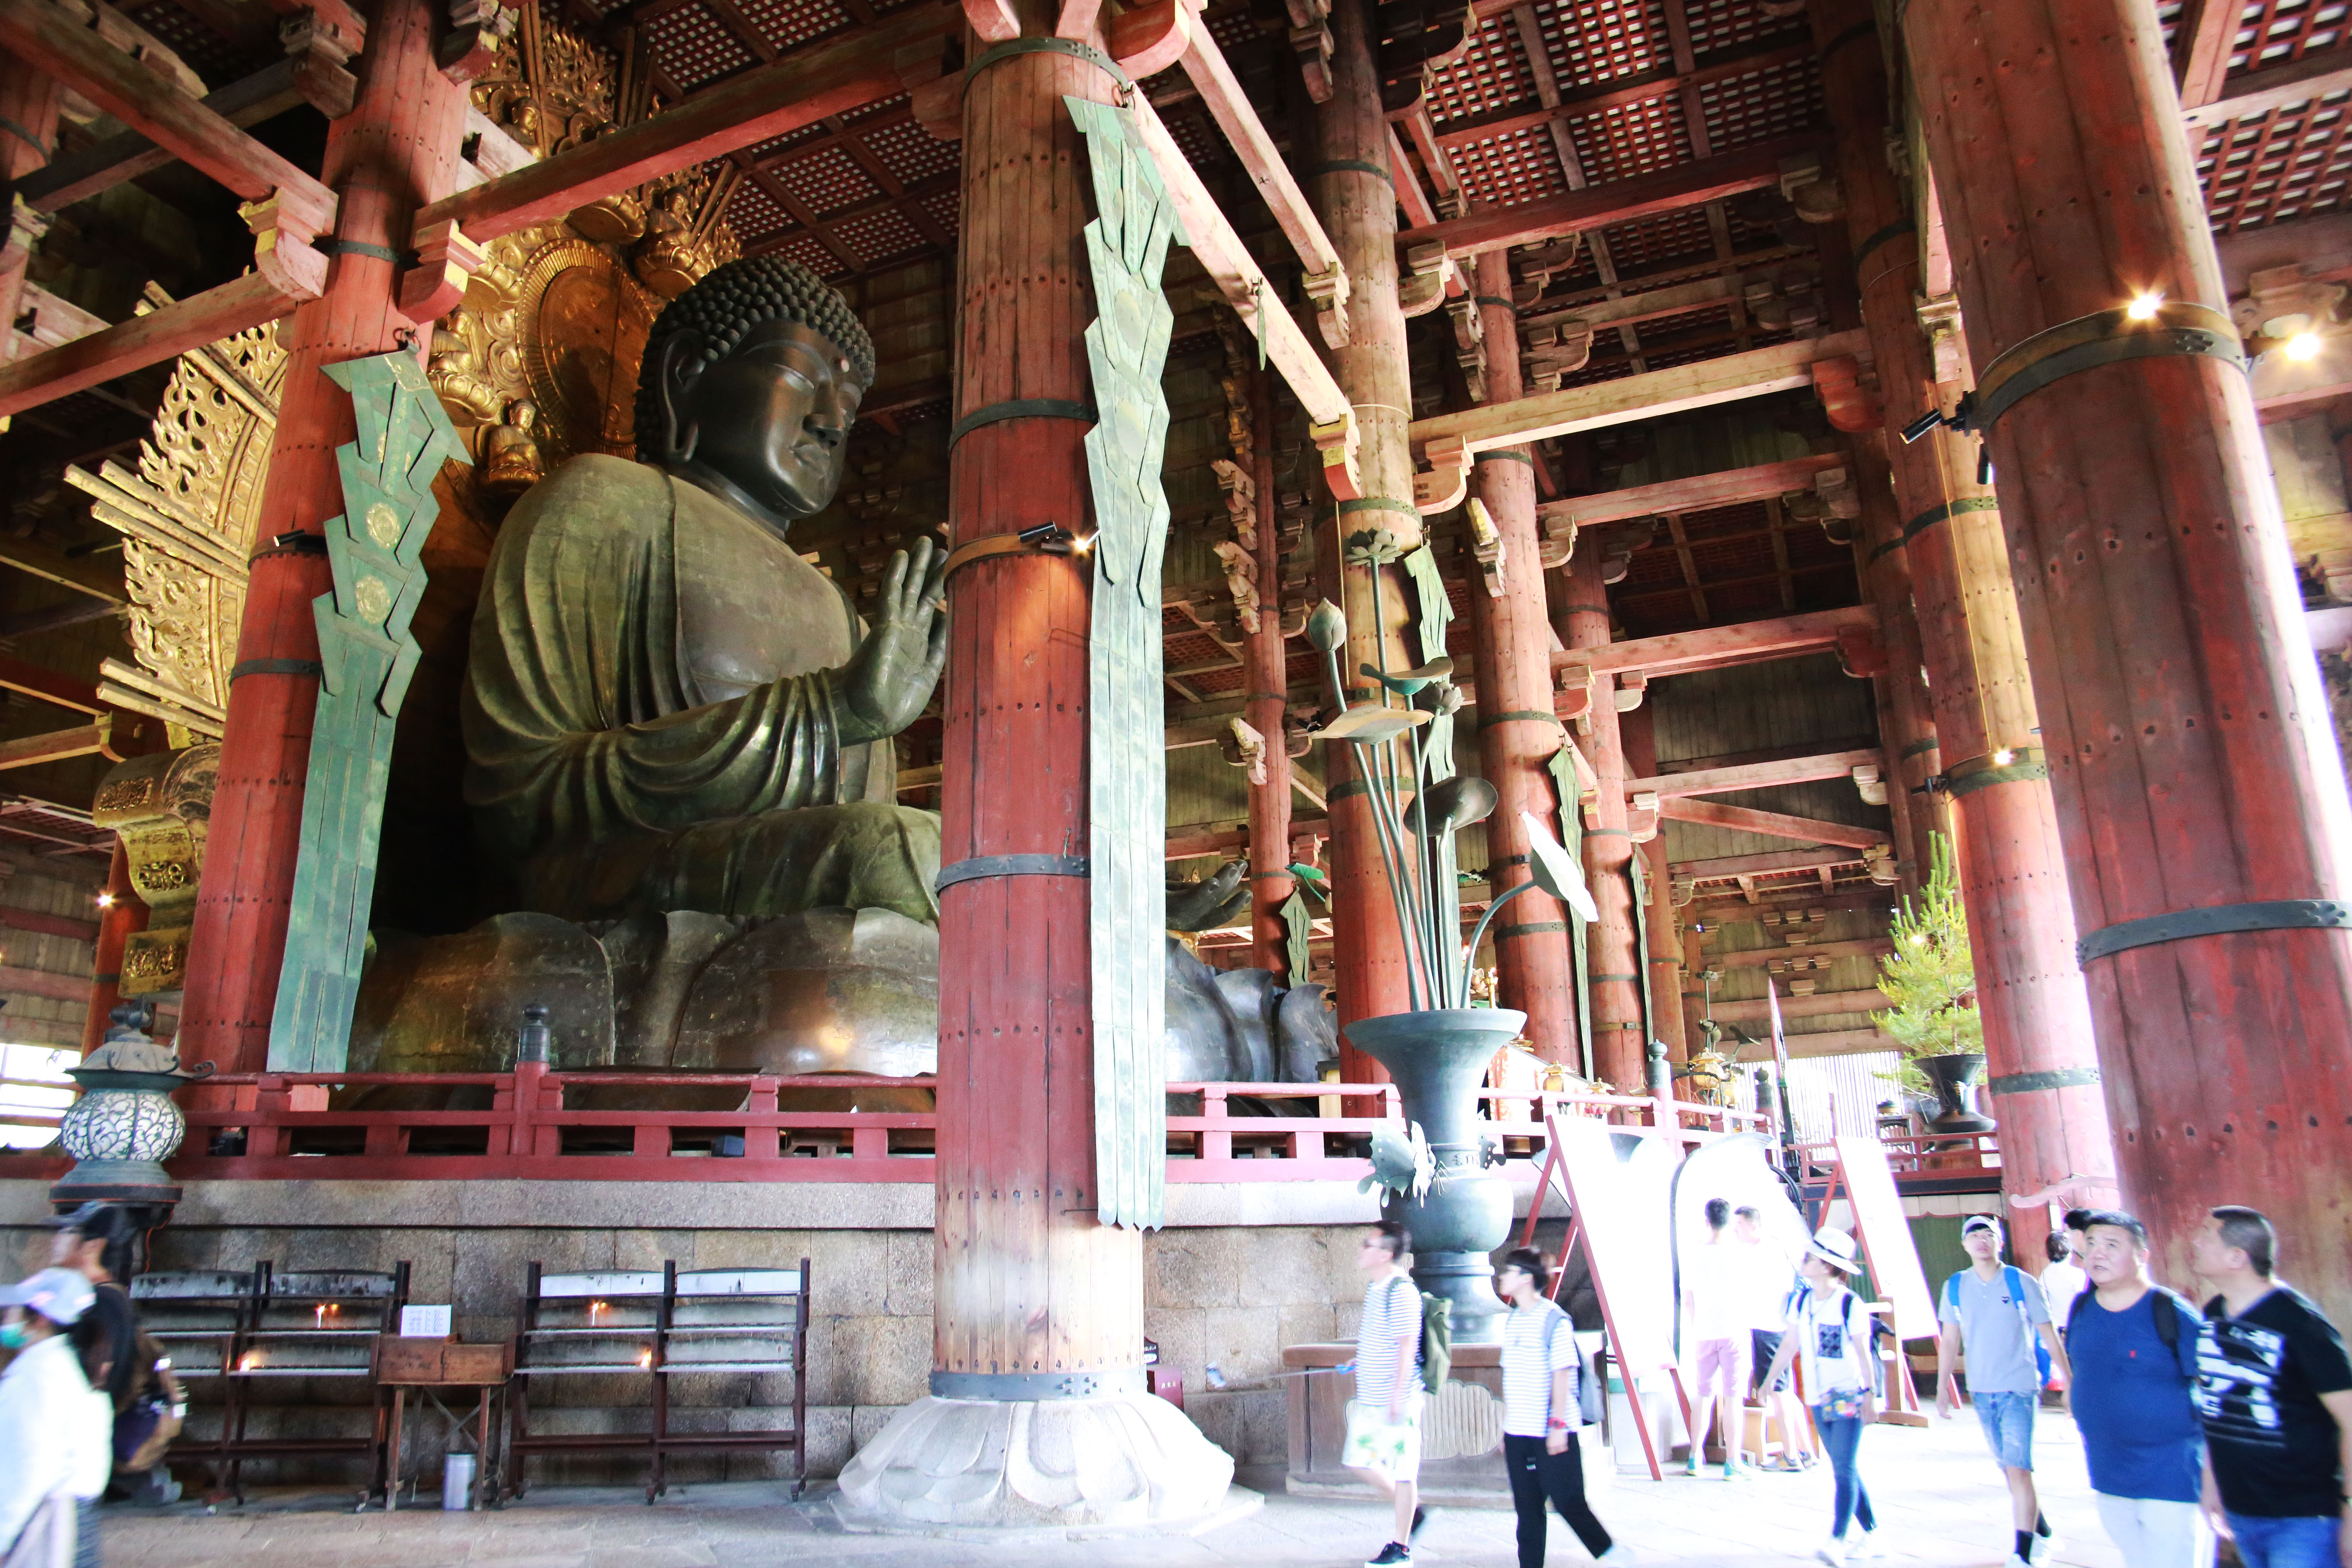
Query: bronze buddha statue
pixel 665 708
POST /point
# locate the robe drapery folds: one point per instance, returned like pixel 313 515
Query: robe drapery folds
pixel 609 773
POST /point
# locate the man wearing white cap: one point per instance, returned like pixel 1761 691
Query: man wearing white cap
pixel 1993 1311
pixel 1834 1333
pixel 55 1430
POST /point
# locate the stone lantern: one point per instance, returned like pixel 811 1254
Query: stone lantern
pixel 125 1125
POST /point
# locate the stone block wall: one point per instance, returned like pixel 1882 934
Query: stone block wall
pixel 1227 1285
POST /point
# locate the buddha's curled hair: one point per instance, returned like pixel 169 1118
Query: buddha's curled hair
pixel 730 300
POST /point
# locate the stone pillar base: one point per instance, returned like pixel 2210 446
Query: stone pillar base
pixel 1119 1460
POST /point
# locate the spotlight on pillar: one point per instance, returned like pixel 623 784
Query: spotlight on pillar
pixel 106 900
pixel 2144 306
pixel 2304 346
pixel 2003 757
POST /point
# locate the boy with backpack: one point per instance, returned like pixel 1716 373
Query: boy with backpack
pixel 1548 1394
pixel 2133 1345
pixel 1383 1444
pixel 1994 1311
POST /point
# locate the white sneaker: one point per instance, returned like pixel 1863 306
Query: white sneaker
pixel 2016 1561
pixel 1735 1471
pixel 1618 1553
pixel 1864 1547
pixel 1832 1551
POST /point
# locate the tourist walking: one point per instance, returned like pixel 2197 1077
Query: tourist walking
pixel 1712 1289
pixel 1383 1442
pixel 100 1241
pixel 2132 1345
pixel 1992 1312
pixel 54 1425
pixel 1542 1382
pixel 2063 1277
pixel 2274 1395
pixel 1768 1288
pixel 1834 1333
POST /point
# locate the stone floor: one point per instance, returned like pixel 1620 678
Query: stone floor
pixel 1940 1502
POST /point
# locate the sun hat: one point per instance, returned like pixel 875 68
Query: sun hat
pixel 60 1295
pixel 1836 1249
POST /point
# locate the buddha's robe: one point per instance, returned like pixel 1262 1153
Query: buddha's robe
pixel 648 724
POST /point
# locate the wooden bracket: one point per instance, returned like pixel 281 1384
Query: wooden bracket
pixel 1074 20
pixel 1632 685
pixel 1868 780
pixel 1337 442
pixel 993 20
pixel 1147 39
pixel 1642 816
pixel 1330 293
pixel 445 258
pixel 1310 40
pixel 477 28
pixel 1431 274
pixel 1486 546
pixel 27 224
pixel 1859 653
pixel 1448 479
pixel 1852 406
pixel 321 52
pixel 1574 700
pixel 283 226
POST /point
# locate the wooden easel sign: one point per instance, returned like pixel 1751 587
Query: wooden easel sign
pixel 1886 1247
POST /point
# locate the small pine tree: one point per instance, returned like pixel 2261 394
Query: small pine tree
pixel 1930 978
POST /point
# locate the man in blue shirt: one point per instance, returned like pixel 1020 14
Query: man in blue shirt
pixel 2134 1348
pixel 1991 1312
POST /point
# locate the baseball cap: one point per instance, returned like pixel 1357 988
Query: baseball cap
pixel 1977 1222
pixel 60 1295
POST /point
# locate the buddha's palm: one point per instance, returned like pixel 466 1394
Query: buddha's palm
pixel 888 681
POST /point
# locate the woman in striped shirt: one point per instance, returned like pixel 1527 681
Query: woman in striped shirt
pixel 1540 1366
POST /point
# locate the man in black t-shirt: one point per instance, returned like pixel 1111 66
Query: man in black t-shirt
pixel 2274 1395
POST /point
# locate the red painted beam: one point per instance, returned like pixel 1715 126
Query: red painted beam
pixel 48 924
pixel 828 79
pixel 1754 957
pixel 1753 168
pixel 75 176
pixel 17 675
pixel 45 982
pixel 1759 775
pixel 1772 824
pixel 251 300
pixel 1715 647
pixel 1697 492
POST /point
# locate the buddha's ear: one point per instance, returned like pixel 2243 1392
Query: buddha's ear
pixel 674 378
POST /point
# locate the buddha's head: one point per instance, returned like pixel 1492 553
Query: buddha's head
pixel 752 379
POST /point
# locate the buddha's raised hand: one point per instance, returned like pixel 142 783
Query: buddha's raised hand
pixel 891 676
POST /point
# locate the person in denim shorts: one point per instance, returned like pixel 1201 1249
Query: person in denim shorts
pixel 1993 1312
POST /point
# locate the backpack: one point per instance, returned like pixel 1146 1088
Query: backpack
pixel 2165 1310
pixel 2013 1278
pixel 1589 1395
pixel 1436 1341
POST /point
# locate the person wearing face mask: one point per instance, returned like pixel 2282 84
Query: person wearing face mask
pixel 99 1242
pixel 56 1427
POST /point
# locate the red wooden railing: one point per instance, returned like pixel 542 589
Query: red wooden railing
pixel 1918 1153
pixel 534 1127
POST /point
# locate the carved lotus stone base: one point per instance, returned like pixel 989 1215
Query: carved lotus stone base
pixel 1124 1459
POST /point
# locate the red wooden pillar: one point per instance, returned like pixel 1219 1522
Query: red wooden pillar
pixel 396 151
pixel 28 136
pixel 121 914
pixel 1358 207
pixel 1637 730
pixel 2181 714
pixel 1907 726
pixel 1579 612
pixel 1268 688
pixel 1516 731
pixel 2042 1064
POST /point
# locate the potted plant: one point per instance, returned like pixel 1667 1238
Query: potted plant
pixel 1438 1050
pixel 1930 981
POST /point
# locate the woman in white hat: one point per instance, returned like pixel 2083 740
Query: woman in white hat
pixel 57 1430
pixel 1832 1330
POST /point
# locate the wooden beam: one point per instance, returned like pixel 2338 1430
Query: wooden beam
pixel 765 102
pixel 1647 395
pixel 1755 1009
pixel 1697 493
pixel 1772 824
pixel 48 37
pixel 81 696
pixel 2256 93
pixel 1773 863
pixel 1768 754
pixel 1720 647
pixel 1756 957
pixel 1185 843
pixel 1840 1043
pixel 48 924
pixel 44 983
pixel 1204 64
pixel 99 580
pixel 1759 775
pixel 248 301
pixel 74 176
pixel 2202 42
pixel 1752 168
pixel 31 750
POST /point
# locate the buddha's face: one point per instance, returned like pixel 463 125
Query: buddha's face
pixel 772 419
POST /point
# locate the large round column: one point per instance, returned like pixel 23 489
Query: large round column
pixel 1037 1414
pixel 1266 661
pixel 2187 737
pixel 396 151
pixel 2041 1063
pixel 1516 731
pixel 1345 180
pixel 1661 927
pixel 1612 959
